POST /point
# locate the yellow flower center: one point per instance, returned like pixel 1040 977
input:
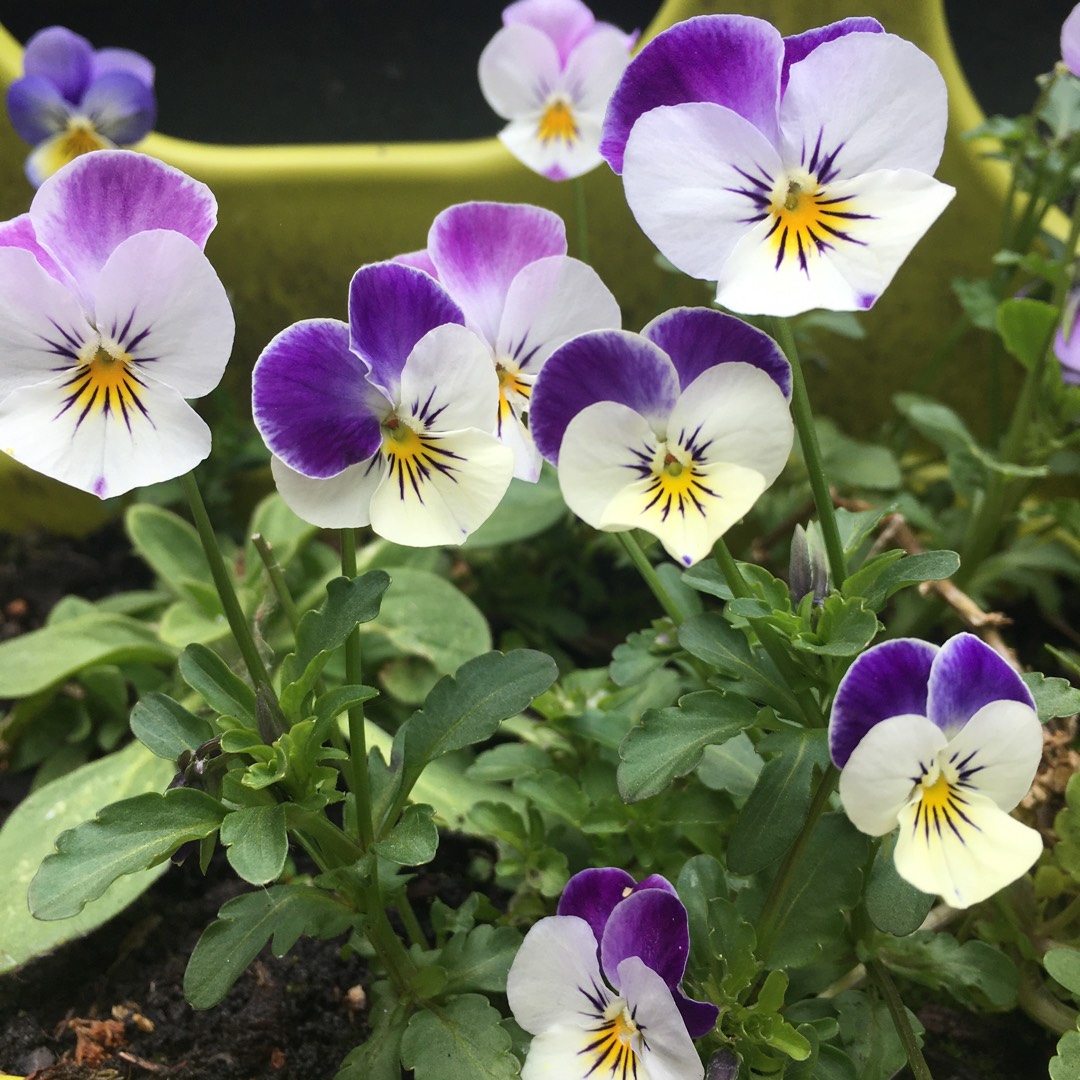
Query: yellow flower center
pixel 413 456
pixel 676 483
pixel 514 390
pixel 806 220
pixel 942 804
pixel 557 123
pixel 617 1044
pixel 80 138
pixel 105 381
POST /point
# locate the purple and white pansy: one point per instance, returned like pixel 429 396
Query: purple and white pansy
pixel 550 72
pixel 110 316
pixel 506 266
pixel 385 420
pixel 1067 340
pixel 73 99
pixel 598 984
pixel 795 172
pixel 676 430
pixel 942 742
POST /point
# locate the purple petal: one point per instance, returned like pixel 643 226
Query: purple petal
pixel 1067 340
pixel 312 402
pixel 61 56
pixel 19 232
pixel 478 249
pixel 652 925
pixel 802 45
pixel 604 365
pixel 1070 41
pixel 121 107
pixel 730 60
pixel 966 675
pixel 699 1016
pixel 110 61
pixel 419 260
pixel 887 680
pixel 566 22
pixel 700 338
pixel 391 307
pixel 37 109
pixel 83 212
pixel 592 895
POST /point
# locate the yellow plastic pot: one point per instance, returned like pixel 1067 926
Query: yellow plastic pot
pixel 296 222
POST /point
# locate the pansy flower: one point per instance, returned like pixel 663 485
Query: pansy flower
pixel 597 985
pixel 942 743
pixel 110 316
pixel 676 430
pixel 506 266
pixel 385 420
pixel 1067 340
pixel 73 99
pixel 550 71
pixel 796 173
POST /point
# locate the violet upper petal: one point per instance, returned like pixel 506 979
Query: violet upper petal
pixel 603 365
pixel 391 307
pixel 565 22
pixel 36 108
pixel 799 46
pixel 887 680
pixel 966 675
pixel 61 56
pixel 699 338
pixel 592 895
pixel 699 1016
pixel 121 107
pixel 652 925
pixel 730 60
pixel 109 61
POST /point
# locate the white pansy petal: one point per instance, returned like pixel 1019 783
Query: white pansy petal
pixel 594 68
pixel 669 1052
pixel 880 775
pixel 527 459
pixel 556 158
pixel 103 442
pixel 518 68
pixel 998 751
pixel 338 502
pixel 979 850
pixel 440 486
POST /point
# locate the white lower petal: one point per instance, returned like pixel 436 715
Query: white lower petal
pixel 338 502
pixel 669 1053
pixel 978 850
pixel 54 153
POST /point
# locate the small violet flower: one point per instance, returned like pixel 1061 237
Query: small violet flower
pixel 676 430
pixel 597 985
pixel 550 71
pixel 1067 340
pixel 795 172
pixel 942 742
pixel 1070 41
pixel 385 420
pixel 506 266
pixel 73 99
pixel 110 316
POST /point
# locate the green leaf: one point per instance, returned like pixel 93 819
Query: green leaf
pixel 329 706
pixel 1025 327
pixel 776 809
pixel 480 959
pixel 31 830
pixel 845 627
pixel 283 530
pixel 894 905
pixel 169 544
pixel 669 742
pixel 1053 697
pixel 554 793
pixel 166 728
pixel 378 1057
pixel 462 1039
pixel 733 767
pixel 869 1035
pixel 1063 964
pixel 126 836
pixel 414 840
pixel 850 463
pixel 221 688
pixel 42 658
pixel 256 842
pixel 1065 1064
pixel 246 923
pixel 979 302
pixel 889 573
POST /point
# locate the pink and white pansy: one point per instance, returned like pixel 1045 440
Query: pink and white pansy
pixel 506 266
pixel 385 420
pixel 942 743
pixel 796 173
pixel 110 317
pixel 676 430
pixel 550 72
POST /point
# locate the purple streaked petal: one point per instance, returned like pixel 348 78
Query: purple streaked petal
pixel 699 338
pixel 799 46
pixel 418 260
pixel 890 679
pixel 730 60
pixel 61 56
pixel 565 22
pixel 82 214
pixel 121 107
pixel 592 895
pixel 19 232
pixel 966 675
pixel 479 248
pixel 391 307
pixel 603 365
pixel 312 402
pixel 650 924
pixel 109 61
pixel 36 108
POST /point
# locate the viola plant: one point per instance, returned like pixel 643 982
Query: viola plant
pixel 73 99
pixel 550 72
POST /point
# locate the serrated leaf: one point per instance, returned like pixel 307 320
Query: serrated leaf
pixel 845 627
pixel 256 842
pixel 1053 697
pixel 414 840
pixel 669 742
pixel 126 836
pixel 1065 1064
pixel 461 1040
pixel 246 923
pixel 220 687
pixel 480 959
pixel 166 728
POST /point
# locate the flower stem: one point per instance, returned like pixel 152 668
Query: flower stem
pixel 277 579
pixel 581 219
pixel 919 1069
pixel 223 583
pixel 652 578
pixel 357 734
pixel 803 416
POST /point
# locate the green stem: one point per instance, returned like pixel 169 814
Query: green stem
pixel 357 734
pixel 652 579
pixel 411 922
pixel 581 219
pixel 277 579
pixel 919 1069
pixel 1042 1006
pixel 803 416
pixel 223 582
